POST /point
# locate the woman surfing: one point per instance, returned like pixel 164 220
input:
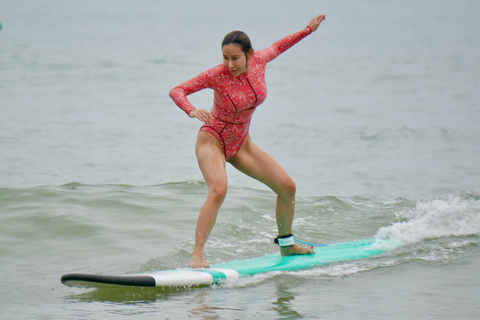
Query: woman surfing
pixel 239 88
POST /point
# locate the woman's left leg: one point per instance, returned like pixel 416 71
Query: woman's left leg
pixel 258 164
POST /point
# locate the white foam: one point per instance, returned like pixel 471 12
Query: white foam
pixel 334 270
pixel 453 215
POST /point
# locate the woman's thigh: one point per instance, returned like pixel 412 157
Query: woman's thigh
pixel 258 164
pixel 211 160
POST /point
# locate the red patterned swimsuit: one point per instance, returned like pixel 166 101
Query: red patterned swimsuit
pixel 235 98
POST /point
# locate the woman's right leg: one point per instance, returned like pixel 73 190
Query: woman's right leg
pixel 211 161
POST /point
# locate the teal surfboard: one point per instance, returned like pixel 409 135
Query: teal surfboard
pixel 230 271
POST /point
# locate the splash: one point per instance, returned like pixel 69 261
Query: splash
pixel 456 214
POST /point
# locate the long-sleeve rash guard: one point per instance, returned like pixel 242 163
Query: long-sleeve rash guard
pixel 235 98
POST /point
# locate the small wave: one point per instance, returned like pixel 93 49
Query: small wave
pixel 155 224
pixel 456 214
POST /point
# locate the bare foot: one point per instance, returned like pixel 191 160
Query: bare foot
pixel 197 262
pixel 295 250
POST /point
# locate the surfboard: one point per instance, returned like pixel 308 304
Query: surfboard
pixel 233 270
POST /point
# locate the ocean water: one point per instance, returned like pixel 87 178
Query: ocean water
pixel 375 116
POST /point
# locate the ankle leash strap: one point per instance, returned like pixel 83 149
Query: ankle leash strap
pixel 284 241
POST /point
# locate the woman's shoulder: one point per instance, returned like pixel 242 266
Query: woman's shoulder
pixel 214 71
pixel 261 56
pixel 220 68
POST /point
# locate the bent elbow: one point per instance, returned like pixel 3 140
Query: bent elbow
pixel 173 92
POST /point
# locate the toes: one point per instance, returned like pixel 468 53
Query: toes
pixel 296 250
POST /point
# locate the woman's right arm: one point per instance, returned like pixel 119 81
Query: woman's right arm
pixel 179 94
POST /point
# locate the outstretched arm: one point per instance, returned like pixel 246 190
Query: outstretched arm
pixel 287 42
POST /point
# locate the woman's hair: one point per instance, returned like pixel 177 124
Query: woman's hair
pixel 240 38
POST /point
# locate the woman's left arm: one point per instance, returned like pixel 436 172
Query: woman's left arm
pixel 287 42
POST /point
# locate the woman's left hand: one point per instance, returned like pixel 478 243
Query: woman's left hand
pixel 315 22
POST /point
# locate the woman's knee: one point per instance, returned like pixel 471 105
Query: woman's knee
pixel 217 192
pixel 288 189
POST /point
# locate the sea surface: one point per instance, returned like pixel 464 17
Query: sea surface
pixel 375 116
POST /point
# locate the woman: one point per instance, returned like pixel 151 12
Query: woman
pixel 239 87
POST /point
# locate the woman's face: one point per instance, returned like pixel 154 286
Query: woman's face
pixel 234 59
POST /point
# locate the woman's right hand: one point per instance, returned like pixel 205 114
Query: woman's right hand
pixel 201 114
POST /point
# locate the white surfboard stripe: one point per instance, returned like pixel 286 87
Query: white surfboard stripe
pixel 193 277
pixel 230 274
pixel 181 278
